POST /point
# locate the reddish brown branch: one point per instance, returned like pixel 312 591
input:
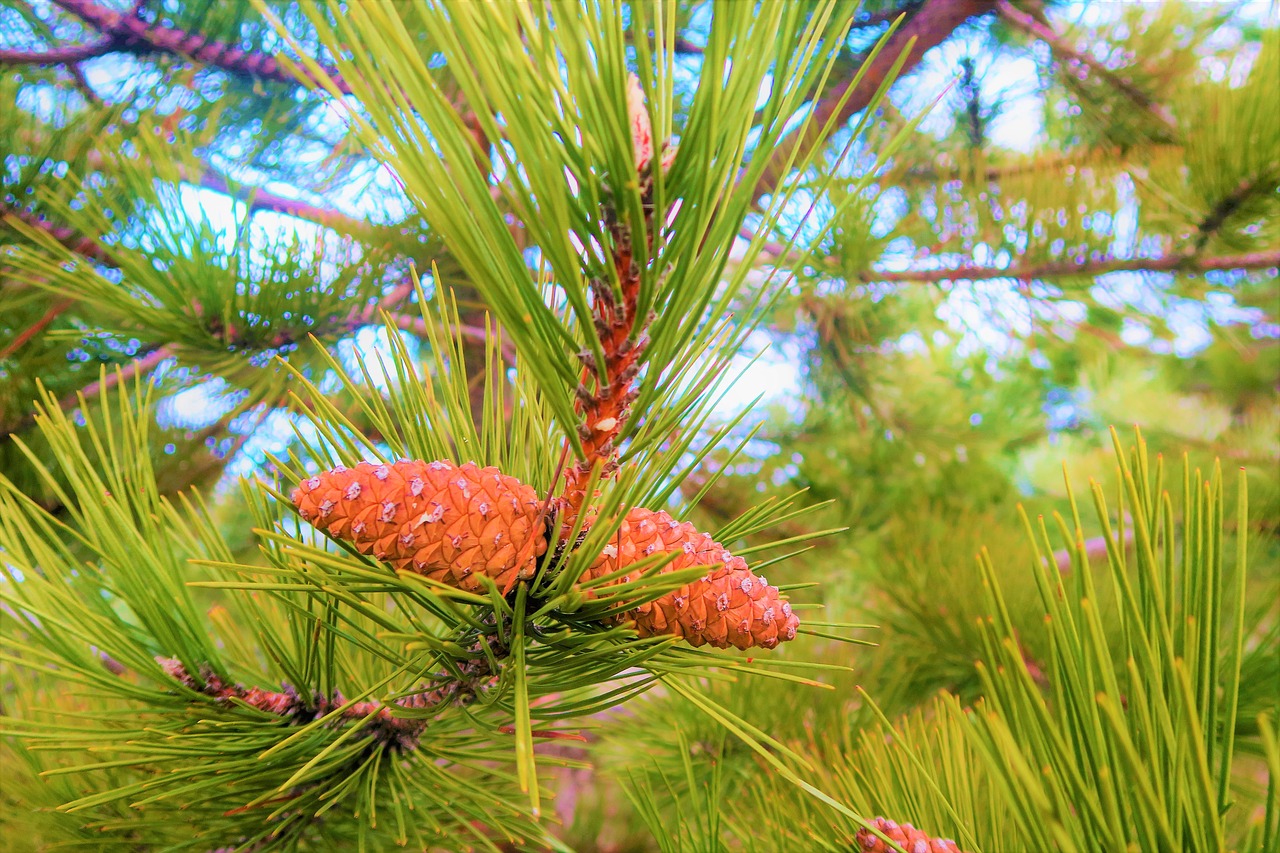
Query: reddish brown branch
pixel 605 410
pixel 379 722
pixel 115 377
pixel 1061 269
pixel 129 32
pixel 258 200
pixel 930 26
pixel 35 328
pixel 1222 211
pixel 471 333
pixel 1028 24
pixel 68 55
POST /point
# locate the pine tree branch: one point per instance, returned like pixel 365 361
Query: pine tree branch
pixel 70 402
pixel 358 317
pixel 418 326
pixel 948 170
pixel 1221 212
pixel 255 198
pixel 68 55
pixel 35 328
pixel 114 377
pixel 128 32
pixel 1190 262
pixel 260 200
pixel 1169 263
pixel 1031 26
pixel 932 24
pixel 387 729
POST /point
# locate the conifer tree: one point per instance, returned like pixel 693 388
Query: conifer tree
pixel 459 288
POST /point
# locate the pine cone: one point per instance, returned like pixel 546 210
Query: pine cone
pixel 729 606
pixel 906 836
pixel 449 522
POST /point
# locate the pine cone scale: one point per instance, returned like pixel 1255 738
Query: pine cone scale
pixel 452 523
pixel 729 606
pixel 905 836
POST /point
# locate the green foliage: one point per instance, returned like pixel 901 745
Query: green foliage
pixel 1117 693
pixel 1123 735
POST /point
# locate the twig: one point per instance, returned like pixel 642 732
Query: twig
pixel 1189 261
pixel 1216 218
pixel 473 333
pixel 34 329
pixel 71 401
pixel 257 200
pixel 400 733
pixel 128 32
pixel 1030 25
pixel 1040 166
pixel 606 409
pixel 82 84
pixel 68 55
pixel 1168 263
pixel 115 377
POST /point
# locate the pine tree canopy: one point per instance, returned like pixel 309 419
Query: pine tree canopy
pixel 661 425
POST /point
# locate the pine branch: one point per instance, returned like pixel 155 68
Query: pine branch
pixel 933 24
pixel 945 169
pixel 418 326
pixel 1169 263
pixel 1221 212
pixel 257 199
pixel 69 55
pixel 605 410
pixel 35 328
pixel 619 324
pixel 260 200
pixel 378 722
pixel 114 377
pixel 1031 26
pixel 127 32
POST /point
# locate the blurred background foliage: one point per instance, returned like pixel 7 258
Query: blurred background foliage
pixel 1081 232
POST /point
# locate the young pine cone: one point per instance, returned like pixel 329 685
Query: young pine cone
pixel 452 523
pixel 906 836
pixel 729 606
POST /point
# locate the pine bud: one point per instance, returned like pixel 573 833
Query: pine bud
pixel 641 128
pixel 452 523
pixel 729 606
pixel 905 836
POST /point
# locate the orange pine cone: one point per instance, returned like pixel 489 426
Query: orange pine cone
pixel 729 606
pixel 906 836
pixel 452 523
